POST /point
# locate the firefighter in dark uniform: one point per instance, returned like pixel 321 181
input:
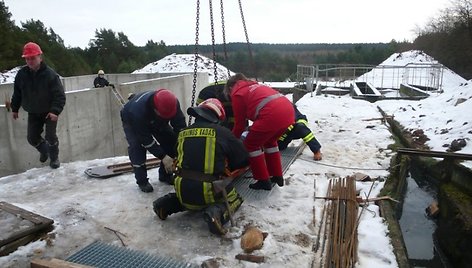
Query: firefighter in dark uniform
pixel 149 117
pixel 300 130
pixel 206 154
pixel 215 90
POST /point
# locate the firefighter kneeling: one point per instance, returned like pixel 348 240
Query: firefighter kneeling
pixel 206 153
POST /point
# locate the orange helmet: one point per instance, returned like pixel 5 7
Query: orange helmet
pixel 210 109
pixel 165 103
pixel 31 49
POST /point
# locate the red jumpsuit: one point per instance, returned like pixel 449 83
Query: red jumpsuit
pixel 271 114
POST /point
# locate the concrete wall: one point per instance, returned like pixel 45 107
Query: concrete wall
pixel 90 125
pixel 412 91
pixel 86 81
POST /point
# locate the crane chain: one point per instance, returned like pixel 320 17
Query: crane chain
pixel 224 37
pixel 213 42
pixel 195 64
pixel 251 59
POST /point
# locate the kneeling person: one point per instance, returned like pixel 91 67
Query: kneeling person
pixel 206 153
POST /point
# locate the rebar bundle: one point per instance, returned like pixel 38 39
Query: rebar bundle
pixel 340 218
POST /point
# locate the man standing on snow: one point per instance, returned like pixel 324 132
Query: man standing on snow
pixel 151 121
pixel 206 153
pixel 300 130
pixel 38 89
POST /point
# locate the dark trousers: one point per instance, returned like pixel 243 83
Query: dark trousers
pixel 299 131
pixel 137 153
pixel 36 125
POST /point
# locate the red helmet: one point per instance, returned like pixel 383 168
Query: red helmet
pixel 216 106
pixel 31 49
pixel 165 103
pixel 210 109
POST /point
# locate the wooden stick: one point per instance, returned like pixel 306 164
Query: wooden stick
pixel 55 263
pixel 250 257
pixel 359 199
pixel 379 118
pixel 116 233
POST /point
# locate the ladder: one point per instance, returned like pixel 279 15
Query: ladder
pixel 118 96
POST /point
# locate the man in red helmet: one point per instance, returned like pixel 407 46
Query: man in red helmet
pixel 206 152
pixel 215 90
pixel 151 121
pixel 38 89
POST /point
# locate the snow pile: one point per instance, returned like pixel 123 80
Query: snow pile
pixel 411 57
pixel 443 118
pixel 9 76
pixel 419 70
pixel 184 63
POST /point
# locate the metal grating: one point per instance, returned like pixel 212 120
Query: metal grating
pixel 242 182
pixel 103 255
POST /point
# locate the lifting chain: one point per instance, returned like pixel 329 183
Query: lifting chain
pixel 215 72
pixel 251 59
pixel 224 36
pixel 195 64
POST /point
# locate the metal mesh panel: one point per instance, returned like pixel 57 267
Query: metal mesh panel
pixel 103 255
pixel 242 182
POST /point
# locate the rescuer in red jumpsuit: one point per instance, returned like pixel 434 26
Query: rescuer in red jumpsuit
pixel 271 114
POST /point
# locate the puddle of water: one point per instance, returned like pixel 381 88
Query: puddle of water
pixel 416 227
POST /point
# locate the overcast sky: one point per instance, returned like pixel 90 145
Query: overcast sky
pixel 267 21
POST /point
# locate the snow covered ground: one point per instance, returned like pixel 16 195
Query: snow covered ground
pixel 82 207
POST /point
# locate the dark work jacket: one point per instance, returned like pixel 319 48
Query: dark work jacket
pixel 216 91
pixel 299 115
pixel 204 151
pixel 299 130
pixel 100 82
pixel 207 148
pixel 138 114
pixel 38 92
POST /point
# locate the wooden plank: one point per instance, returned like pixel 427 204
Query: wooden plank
pixel 40 224
pixel 117 169
pixel 24 214
pixel 12 246
pixel 435 154
pixel 55 263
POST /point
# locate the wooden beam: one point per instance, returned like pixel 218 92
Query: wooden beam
pixel 55 263
pixel 39 224
pixel 439 154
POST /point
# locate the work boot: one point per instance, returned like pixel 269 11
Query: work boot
pixel 212 216
pixel 278 179
pixel 261 185
pixel 160 211
pixel 54 163
pixel 146 187
pixel 54 155
pixel 167 205
pixel 43 152
pixel 317 156
pixel 166 177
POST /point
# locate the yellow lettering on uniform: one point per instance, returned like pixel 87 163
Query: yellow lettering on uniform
pixel 207 132
pixel 197 132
